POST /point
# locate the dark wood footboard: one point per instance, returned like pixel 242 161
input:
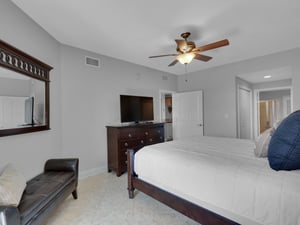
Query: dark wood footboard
pixel 193 211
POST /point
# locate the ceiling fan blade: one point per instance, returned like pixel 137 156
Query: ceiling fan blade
pixel 155 56
pixel 173 63
pixel 214 45
pixel 201 57
pixel 181 45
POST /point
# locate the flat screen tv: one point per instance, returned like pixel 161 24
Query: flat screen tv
pixel 136 108
pixel 29 109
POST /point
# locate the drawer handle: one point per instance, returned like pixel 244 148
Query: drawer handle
pixel 146 133
pixel 150 139
pixel 126 162
pixel 126 153
pixel 142 141
pixel 129 135
pixel 126 144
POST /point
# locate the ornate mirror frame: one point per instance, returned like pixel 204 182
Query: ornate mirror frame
pixel 14 59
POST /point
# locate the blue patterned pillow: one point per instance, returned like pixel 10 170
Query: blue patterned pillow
pixel 284 147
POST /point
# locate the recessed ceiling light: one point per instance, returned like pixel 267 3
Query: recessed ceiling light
pixel 267 76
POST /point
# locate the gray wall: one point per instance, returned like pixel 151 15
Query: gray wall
pixel 270 95
pixel 83 100
pixel 91 100
pixel 273 84
pixel 219 93
pixel 29 151
pixel 219 88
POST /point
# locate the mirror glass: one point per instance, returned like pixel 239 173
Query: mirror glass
pixel 22 100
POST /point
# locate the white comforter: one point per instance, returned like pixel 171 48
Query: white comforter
pixel 222 174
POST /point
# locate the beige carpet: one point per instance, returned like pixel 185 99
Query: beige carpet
pixel 103 200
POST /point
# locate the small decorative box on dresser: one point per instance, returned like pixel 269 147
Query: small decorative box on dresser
pixel 121 138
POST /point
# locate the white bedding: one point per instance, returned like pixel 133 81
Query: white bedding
pixel 222 174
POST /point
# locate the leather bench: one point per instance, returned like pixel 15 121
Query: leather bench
pixel 43 194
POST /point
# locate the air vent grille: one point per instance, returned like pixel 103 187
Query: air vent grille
pixel 92 61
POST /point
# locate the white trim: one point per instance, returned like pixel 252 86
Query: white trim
pixel 239 86
pixel 256 113
pixel 91 172
pixel 162 93
pixel 285 100
pixel 162 109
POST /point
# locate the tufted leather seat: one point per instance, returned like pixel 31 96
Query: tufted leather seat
pixel 44 193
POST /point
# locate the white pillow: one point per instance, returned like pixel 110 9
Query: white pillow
pixel 12 185
pixel 262 144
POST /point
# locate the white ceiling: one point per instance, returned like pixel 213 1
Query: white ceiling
pixel 133 30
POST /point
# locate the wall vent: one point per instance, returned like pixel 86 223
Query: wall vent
pixel 92 61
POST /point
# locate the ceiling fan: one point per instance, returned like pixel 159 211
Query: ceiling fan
pixel 187 50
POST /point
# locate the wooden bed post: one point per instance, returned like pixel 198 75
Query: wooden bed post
pixel 130 171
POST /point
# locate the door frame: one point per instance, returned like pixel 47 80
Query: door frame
pixel 256 101
pixel 162 107
pixel 238 111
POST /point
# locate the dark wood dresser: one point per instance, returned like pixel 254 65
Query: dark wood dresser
pixel 121 138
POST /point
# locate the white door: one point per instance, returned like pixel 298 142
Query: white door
pixel 187 114
pixel 244 113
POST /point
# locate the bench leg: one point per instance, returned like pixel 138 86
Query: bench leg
pixel 74 193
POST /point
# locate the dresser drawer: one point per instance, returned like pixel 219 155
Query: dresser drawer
pixel 154 139
pixel 127 144
pixel 153 132
pixel 128 133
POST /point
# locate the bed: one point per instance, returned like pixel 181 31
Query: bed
pixel 216 181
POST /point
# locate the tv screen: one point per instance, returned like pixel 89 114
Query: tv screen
pixel 29 109
pixel 136 108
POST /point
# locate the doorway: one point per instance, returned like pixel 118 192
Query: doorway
pixel 182 114
pixel 166 113
pixel 272 105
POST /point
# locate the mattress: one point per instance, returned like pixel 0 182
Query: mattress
pixel 223 175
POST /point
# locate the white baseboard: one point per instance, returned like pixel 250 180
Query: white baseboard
pixel 91 172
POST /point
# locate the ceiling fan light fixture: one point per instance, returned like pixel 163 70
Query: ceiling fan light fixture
pixel 187 50
pixel 185 58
